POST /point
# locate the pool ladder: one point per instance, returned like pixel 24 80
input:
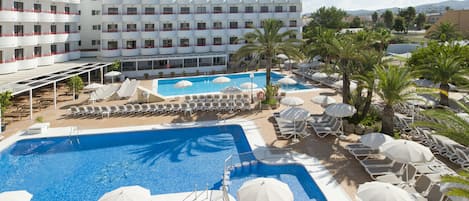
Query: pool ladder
pixel 74 131
pixel 196 196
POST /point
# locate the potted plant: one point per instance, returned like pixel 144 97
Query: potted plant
pixel 5 102
pixel 173 74
pixel 146 76
pixel 160 74
pixel 75 85
pixel 197 72
pixel 270 101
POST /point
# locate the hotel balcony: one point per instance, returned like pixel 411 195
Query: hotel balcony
pixel 46 60
pixel 168 17
pixel 202 49
pixel 64 37
pixel 112 1
pixel 131 1
pixel 218 48
pixel 185 33
pixel 130 17
pixel 234 47
pixel 168 33
pixel 281 15
pixel 167 50
pixel 218 16
pixel 250 15
pixel 235 32
pixel 130 52
pixel 201 1
pixel 218 32
pixel 235 16
pixel 110 52
pixel 150 2
pixel 185 17
pixel 202 16
pixel 263 16
pixel 149 51
pixel 149 34
pixel 111 17
pixel 12 40
pixel 167 1
pixel 130 34
pixel 185 50
pixel 110 35
pixel 202 32
pixel 149 17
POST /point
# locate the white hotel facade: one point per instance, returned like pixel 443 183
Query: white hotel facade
pixel 148 36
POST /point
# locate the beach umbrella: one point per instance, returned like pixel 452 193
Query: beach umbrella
pixel 287 81
pixel 319 75
pixel 289 62
pixel 292 101
pixel 295 114
pixel 16 196
pixel 127 193
pixel 231 90
pixel 406 151
pixel 372 191
pixel 375 140
pixel 282 56
pixel 248 85
pixel 112 74
pixel 339 84
pixel 93 86
pixel 183 84
pixel 221 80
pixel 323 100
pixel 340 110
pixel 264 189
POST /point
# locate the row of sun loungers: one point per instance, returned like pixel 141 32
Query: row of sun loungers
pixel 287 129
pixel 324 125
pixel 156 108
pixel 217 98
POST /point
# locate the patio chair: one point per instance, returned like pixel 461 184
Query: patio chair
pixel 176 107
pixel 130 109
pixel 192 106
pixel 374 171
pixel 122 109
pixel 434 194
pixel 113 110
pixel 216 97
pixel 247 107
pixel 209 98
pixel 199 106
pixel 215 106
pixel 138 108
pixel 201 98
pixel 168 108
pixel 187 99
pixel 89 110
pixel 97 110
pixel 194 98
pixel 408 175
pixel 207 106
pixel 224 97
pixel 74 111
pixel 161 109
pixel 146 109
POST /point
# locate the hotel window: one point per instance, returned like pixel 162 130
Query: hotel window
pixel 167 43
pixel 184 42
pixel 145 65
pixel 292 8
pixel 149 11
pixel 67 28
pixel 217 41
pixel 233 40
pixel 167 27
pixel 233 9
pixel 112 27
pixel 18 29
pixel 176 63
pixel 233 25
pixel 264 9
pixel 200 41
pixel 248 24
pixel 112 45
pixel 201 25
pixel 131 27
pixel 217 25
pixel 53 9
pixel 53 49
pixel 167 10
pixel 292 23
pixel 219 61
pixel 129 66
pixel 205 61
pixel 160 64
pixel 131 11
pixel 278 9
pixel 18 6
pixel 131 44
pixel 53 29
pixel 37 29
pixel 149 43
pixel 95 12
pixel 37 51
pixel 188 63
pixel 112 11
pixel 201 10
pixel 19 54
pixel 96 27
pixel 67 47
pixel 249 9
pixel 67 10
pixel 217 9
pixel 95 42
pixel 184 26
pixel 185 10
pixel 37 7
pixel 149 27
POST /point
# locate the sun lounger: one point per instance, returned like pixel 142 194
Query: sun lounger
pixel 360 154
pixel 422 186
pixel 434 194
pixel 408 175
pixel 327 130
pixel 462 159
pixel 374 171
pixel 356 146
pixel 371 162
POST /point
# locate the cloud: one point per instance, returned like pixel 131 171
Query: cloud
pixel 312 5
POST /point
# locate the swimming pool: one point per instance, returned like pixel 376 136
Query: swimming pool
pixel 165 161
pixel 204 84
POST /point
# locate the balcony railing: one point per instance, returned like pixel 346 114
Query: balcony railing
pixel 35 34
pixel 38 11
pixel 11 60
pixel 195 12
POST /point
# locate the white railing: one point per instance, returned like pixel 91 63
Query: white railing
pixel 195 195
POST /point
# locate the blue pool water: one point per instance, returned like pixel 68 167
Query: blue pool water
pixel 204 84
pixel 165 161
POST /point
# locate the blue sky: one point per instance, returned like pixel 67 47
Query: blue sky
pixel 312 5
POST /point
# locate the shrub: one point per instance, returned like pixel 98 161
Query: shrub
pixel 160 74
pixel 75 83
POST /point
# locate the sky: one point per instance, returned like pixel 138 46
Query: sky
pixel 312 5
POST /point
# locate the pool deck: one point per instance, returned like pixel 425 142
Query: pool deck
pixel 330 151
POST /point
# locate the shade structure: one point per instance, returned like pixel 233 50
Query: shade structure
pixel 231 90
pixel 319 75
pixel 323 100
pixel 221 80
pixel 375 140
pixel 292 101
pixel 16 196
pixel 264 189
pixel 112 74
pixel 295 114
pixel 340 110
pixel 127 193
pixel 183 84
pixel 282 56
pixel 406 151
pixel 287 81
pixel 373 191
pixel 93 86
pixel 248 85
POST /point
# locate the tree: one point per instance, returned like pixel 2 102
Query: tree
pixel 388 18
pixel 445 31
pixel 267 44
pixel 399 24
pixel 316 41
pixel 420 20
pixel 75 85
pixel 458 185
pixel 394 87
pixel 5 102
pixel 330 18
pixel 444 67
pixel 374 17
pixel 115 66
pixel 356 23
pixel 410 17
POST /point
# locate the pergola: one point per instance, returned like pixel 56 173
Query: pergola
pixel 53 77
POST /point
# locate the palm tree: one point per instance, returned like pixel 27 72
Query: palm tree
pixel 458 185
pixel 446 67
pixel 394 87
pixel 445 31
pixel 268 43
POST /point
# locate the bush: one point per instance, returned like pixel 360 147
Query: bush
pixel 146 76
pixel 160 74
pixel 173 74
pixel 39 119
pixel 197 72
pixel 75 83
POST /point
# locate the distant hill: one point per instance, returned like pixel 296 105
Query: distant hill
pixel 426 8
